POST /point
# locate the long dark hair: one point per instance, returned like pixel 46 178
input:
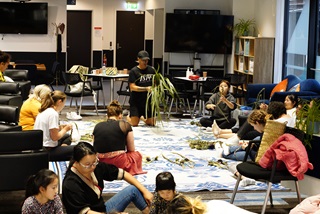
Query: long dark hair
pixel 276 109
pixel 42 179
pixel 81 150
pixel 294 99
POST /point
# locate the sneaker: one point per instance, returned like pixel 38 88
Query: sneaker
pixel 73 116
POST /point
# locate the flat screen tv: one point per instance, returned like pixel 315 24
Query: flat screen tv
pixel 198 33
pixel 23 18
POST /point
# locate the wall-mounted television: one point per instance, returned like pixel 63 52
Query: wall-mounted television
pixel 23 18
pixel 198 33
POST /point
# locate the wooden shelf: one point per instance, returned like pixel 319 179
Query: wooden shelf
pixel 254 57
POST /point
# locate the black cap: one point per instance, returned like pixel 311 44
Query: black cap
pixel 143 55
pixel 165 181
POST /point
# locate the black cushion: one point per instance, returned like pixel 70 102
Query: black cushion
pixel 255 171
pixel 9 88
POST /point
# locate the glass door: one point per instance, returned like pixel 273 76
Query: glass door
pixel 296 38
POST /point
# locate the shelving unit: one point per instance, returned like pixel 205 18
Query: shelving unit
pixel 254 57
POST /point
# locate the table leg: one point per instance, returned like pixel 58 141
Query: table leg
pixel 111 88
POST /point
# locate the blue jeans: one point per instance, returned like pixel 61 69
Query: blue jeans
pixel 122 199
pixel 236 153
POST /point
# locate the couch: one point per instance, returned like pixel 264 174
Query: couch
pixel 9 118
pixel 291 84
pixel 9 94
pixel 20 76
pixel 21 155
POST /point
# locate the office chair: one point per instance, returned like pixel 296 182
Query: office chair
pixel 253 170
pixel 75 79
pixel 238 81
pixel 124 90
pixel 97 86
pixel 55 74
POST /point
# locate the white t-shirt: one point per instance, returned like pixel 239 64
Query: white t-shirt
pixel 223 207
pixel 291 122
pixel 46 120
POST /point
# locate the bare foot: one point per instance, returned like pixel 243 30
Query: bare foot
pixel 215 129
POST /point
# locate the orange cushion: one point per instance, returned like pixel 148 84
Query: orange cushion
pixel 295 88
pixel 282 86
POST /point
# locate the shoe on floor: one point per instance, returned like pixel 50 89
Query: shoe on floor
pixel 73 116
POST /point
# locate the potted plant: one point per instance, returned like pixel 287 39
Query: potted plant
pixel 243 27
pixel 308 120
pixel 157 95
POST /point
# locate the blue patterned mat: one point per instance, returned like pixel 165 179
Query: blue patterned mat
pixel 170 142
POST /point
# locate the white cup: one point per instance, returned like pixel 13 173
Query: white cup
pixel 94 71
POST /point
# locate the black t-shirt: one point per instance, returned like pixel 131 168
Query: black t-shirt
pixel 142 78
pixel 111 135
pixel 77 195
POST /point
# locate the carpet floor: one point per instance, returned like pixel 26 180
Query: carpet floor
pixel 10 202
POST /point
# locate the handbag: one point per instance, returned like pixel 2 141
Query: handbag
pixel 272 131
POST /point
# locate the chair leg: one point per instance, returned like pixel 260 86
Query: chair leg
pixel 298 191
pixel 95 104
pixel 194 107
pixel 103 99
pixel 235 189
pixel 80 106
pixel 266 198
pixel 169 111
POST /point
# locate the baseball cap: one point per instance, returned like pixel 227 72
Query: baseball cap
pixel 143 55
pixel 165 181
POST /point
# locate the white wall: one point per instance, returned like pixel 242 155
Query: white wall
pixel 38 43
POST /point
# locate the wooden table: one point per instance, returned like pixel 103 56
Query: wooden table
pixel 40 66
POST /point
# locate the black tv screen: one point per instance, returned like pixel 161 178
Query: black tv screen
pixel 198 33
pixel 23 18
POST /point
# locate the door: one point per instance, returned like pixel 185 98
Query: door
pixel 129 38
pixel 79 38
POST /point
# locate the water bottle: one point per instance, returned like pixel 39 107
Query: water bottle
pixel 104 64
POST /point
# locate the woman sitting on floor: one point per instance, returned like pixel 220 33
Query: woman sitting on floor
pixel 84 181
pixel 246 131
pixel 30 108
pixel 220 105
pixel 56 140
pixel 276 111
pixel 113 140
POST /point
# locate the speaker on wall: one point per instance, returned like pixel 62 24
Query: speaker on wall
pixel 71 2
pixel 199 12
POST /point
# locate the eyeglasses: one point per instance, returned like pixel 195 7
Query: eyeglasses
pixel 90 165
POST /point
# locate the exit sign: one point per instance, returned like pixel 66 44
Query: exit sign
pixel 132 5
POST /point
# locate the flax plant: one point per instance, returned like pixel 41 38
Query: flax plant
pixel 161 87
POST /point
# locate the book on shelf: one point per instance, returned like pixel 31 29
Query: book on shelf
pixel 241 61
pixel 251 65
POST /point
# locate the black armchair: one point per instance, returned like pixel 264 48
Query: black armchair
pixel 9 94
pixel 9 118
pixel 20 76
pixel 21 155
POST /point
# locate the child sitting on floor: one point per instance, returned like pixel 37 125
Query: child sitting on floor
pixel 42 194
pixel 164 193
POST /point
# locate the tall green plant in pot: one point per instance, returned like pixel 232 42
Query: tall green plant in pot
pixel 244 26
pixel 157 95
pixel 308 120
